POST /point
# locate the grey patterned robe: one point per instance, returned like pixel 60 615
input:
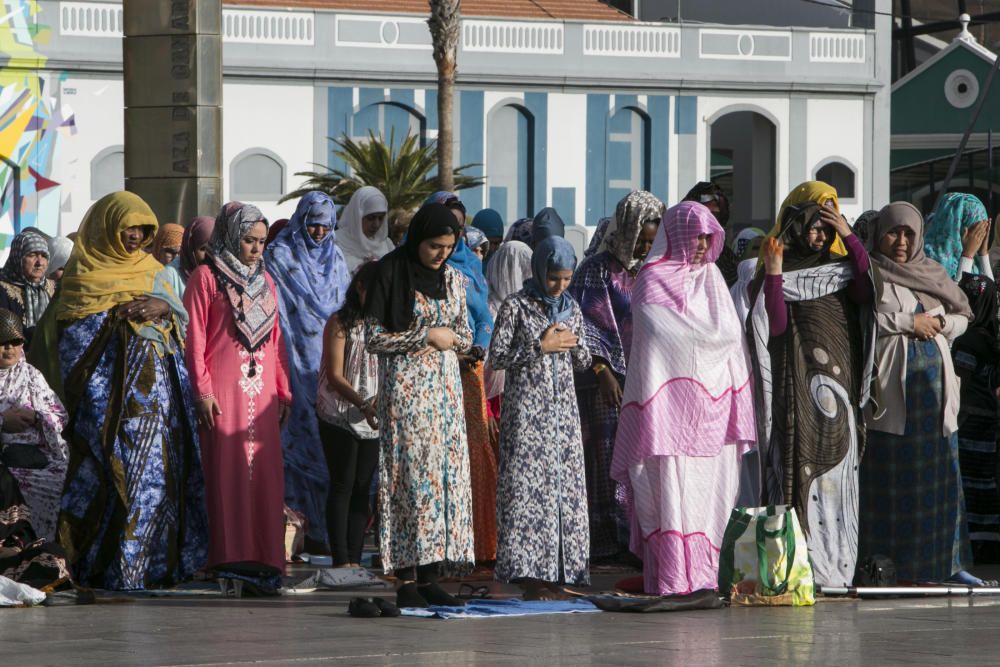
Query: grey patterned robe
pixel 543 530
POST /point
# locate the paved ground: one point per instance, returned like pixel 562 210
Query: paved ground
pixel 315 629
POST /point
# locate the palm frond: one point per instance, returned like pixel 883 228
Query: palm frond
pixel 402 173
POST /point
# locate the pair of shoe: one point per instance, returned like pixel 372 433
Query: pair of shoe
pixel 425 595
pixel 372 608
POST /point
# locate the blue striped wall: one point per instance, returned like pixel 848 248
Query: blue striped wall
pixel 606 160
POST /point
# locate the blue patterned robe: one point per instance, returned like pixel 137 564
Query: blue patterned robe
pixel 133 509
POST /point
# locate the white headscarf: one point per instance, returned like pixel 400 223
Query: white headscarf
pixel 351 239
pixel 60 248
pixel 507 271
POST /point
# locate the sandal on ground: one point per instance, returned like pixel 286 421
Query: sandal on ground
pixel 363 608
pixel 386 608
pixel 470 592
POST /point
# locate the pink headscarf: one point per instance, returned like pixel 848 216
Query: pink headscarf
pixel 689 390
pixel 196 234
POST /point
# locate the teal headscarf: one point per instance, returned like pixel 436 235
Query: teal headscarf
pixel 956 212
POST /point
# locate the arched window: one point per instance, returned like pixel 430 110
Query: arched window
pixel 743 162
pixel 390 120
pixel 107 172
pixel 510 160
pixel 257 174
pixel 840 176
pixel 628 154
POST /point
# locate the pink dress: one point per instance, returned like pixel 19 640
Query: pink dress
pixel 241 456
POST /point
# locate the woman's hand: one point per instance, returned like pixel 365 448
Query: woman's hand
pixel 207 410
pixel 441 339
pixel 494 427
pixel 145 309
pixel 611 390
pixel 975 238
pixel 558 338
pixel 773 253
pixel 370 414
pixel 19 420
pixel 836 221
pixel 926 326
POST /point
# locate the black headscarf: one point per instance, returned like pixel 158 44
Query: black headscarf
pixel 705 192
pixel 980 339
pixel 401 274
pixel 795 226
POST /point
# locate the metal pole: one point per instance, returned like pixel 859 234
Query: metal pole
pixel 16 207
pixel 989 173
pixel 968 131
pixel 906 591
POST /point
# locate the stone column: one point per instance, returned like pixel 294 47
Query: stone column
pixel 172 55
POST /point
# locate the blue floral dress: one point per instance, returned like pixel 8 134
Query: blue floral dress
pixel 425 497
pixel 543 529
pixel 133 508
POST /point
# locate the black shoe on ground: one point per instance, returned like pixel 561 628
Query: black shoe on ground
pixel 388 609
pixel 434 594
pixel 363 608
pixel 407 595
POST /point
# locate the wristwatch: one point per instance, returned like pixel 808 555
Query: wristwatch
pixel 940 318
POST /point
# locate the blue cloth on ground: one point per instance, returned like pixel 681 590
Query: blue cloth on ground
pixel 499 608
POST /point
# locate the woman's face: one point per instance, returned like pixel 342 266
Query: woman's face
pixel 33 265
pixel 480 251
pixel 817 236
pixel 252 244
pixel 557 282
pixel 200 252
pixel 10 353
pixel 896 243
pixel 371 223
pixel 645 241
pixel 167 255
pixel 433 252
pixel 317 232
pixel 702 244
pixel 132 238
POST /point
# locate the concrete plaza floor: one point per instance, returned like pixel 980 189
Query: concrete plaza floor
pixel 314 628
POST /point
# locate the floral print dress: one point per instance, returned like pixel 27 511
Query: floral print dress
pixel 425 497
pixel 542 492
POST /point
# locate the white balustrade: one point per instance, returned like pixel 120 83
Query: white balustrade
pixel 265 27
pixel 512 37
pixel 836 47
pixel 639 41
pixel 90 19
pixel 101 19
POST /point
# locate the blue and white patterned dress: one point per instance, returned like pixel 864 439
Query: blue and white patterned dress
pixel 133 509
pixel 543 528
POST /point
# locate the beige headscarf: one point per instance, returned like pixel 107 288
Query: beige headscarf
pixel 928 279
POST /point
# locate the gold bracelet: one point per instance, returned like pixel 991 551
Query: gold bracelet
pixel 599 368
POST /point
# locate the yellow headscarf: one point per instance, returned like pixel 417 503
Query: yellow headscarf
pixel 816 192
pixel 100 273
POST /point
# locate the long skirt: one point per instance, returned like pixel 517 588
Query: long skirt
pixel 912 507
pixel 605 496
pixel 482 465
pixel 681 505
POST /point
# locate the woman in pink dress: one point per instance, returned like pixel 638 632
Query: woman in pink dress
pixel 238 368
pixel 687 412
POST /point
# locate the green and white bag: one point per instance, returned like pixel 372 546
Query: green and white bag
pixel 765 559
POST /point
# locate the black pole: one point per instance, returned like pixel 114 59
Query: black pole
pixel 909 55
pixel 989 173
pixel 15 169
pixel 968 131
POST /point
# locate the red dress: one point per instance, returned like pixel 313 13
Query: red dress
pixel 241 456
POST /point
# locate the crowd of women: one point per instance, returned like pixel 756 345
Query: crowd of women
pixel 167 392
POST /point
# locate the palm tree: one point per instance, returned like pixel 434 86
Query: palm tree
pixel 402 174
pixel 445 26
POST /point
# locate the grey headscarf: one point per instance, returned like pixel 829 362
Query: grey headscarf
pixel 36 293
pixel 633 211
